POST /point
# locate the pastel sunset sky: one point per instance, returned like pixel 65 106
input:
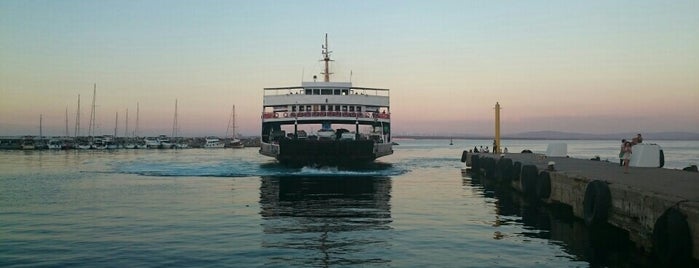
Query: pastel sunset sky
pixel 577 66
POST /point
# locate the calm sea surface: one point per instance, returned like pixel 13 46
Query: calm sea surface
pixel 198 207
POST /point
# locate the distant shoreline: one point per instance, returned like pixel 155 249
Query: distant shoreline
pixel 557 135
pixel 529 138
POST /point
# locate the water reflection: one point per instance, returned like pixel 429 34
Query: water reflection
pixel 606 246
pixel 323 221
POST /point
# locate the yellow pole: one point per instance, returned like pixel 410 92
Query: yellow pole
pixel 496 142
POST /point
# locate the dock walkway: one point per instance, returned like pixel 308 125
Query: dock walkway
pixel 659 208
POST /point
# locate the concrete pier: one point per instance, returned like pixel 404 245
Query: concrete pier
pixel 659 208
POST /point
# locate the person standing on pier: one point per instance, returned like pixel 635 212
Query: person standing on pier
pixel 621 152
pixel 627 156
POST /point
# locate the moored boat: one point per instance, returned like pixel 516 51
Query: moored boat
pixel 213 142
pixel 28 143
pixel 335 107
pixel 55 144
pixel 151 143
pixel 165 142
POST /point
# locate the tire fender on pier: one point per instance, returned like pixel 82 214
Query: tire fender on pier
pixel 672 239
pixel 598 200
pixel 543 185
pixel 475 163
pixel 530 175
pixel 516 170
pixel 489 167
pixel 505 169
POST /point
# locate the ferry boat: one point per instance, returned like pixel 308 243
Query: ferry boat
pixel 346 125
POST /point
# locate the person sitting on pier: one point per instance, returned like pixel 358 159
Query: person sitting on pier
pixel 475 150
pixel 636 140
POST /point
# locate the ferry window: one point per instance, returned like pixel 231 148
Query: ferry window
pixel 309 91
pixel 337 108
pixel 326 92
pixel 316 92
pixel 351 108
pixel 345 91
pixel 322 108
pixel 293 108
pixel 344 108
pixel 337 92
pixel 301 108
pixel 359 108
pixel 308 108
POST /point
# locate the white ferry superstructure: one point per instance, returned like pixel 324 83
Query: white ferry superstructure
pixel 326 123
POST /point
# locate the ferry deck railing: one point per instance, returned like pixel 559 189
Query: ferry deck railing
pixel 271 115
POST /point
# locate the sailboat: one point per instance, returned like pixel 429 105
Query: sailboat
pixel 234 142
pixel 110 142
pixel 177 143
pixel 128 142
pixel 79 143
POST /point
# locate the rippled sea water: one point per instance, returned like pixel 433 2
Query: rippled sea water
pixel 199 207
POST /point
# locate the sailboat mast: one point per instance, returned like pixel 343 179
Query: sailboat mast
pixel 67 132
pixel 91 129
pixel 77 119
pixel 41 129
pixel 234 131
pixel 116 124
pixel 174 121
pixel 126 130
pixel 327 60
pixel 231 123
pixel 137 112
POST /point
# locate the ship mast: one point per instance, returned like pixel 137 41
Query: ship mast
pixel 327 60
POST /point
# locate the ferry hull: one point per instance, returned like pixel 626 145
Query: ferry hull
pixel 325 153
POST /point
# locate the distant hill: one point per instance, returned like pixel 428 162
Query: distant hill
pixel 559 135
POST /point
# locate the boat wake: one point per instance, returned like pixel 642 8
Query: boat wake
pixel 384 171
pixel 247 169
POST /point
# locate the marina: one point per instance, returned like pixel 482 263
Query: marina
pixel 112 143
